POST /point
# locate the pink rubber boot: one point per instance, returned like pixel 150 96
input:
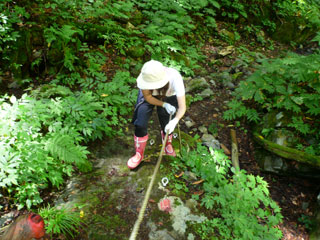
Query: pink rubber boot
pixel 169 148
pixel 140 145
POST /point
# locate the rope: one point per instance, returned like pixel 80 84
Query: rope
pixel 137 224
pixel 180 145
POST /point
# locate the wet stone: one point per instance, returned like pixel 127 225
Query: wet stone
pixel 209 141
pixel 203 129
pixel 206 93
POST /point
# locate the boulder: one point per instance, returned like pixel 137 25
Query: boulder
pixel 196 84
pixel 206 93
pixel 209 141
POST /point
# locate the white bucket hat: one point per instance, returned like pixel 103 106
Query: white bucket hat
pixel 153 76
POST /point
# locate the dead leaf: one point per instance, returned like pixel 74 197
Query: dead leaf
pixel 198 182
pixel 199 193
pixel 179 175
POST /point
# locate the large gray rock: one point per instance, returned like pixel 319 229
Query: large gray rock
pixel 209 141
pixel 110 196
pixel 225 78
pixel 206 93
pixel 196 84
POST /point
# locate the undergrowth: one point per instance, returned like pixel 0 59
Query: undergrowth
pixel 63 53
pixel 240 202
pixel 42 135
pixel 290 86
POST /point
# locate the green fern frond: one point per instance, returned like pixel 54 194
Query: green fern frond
pixel 62 147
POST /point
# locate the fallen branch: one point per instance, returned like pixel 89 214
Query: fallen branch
pixel 286 152
pixel 234 150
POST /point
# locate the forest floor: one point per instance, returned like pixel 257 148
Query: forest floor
pixel 296 196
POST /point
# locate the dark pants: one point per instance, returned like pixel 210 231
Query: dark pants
pixel 143 111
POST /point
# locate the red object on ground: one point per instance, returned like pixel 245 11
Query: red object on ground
pixel 165 205
pixel 25 227
pixel 36 224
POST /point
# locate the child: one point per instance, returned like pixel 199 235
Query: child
pixel 162 87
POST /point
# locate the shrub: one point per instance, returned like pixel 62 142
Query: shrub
pixel 241 203
pixel 290 85
pixel 60 221
pixel 41 142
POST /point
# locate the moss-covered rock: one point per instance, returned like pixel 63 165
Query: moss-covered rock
pixel 196 84
pixel 292 29
pixel 136 51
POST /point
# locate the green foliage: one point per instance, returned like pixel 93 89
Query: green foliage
pixel 317 38
pixel 62 33
pixel 193 99
pixel 117 107
pixel 167 30
pixel 241 202
pixel 62 147
pixel 290 85
pixel 307 221
pixel 238 110
pixel 59 38
pixel 213 128
pixel 237 9
pixel 41 134
pixel 41 141
pixel 307 11
pixel 167 26
pixel 60 221
pixel 7 33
